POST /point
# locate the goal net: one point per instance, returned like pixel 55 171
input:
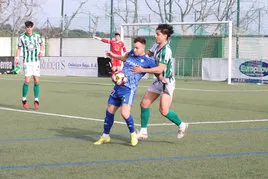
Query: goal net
pixel 206 50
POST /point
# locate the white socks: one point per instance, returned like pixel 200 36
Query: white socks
pixel 105 135
pixel 143 131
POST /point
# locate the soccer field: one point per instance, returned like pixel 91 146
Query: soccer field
pixel 227 136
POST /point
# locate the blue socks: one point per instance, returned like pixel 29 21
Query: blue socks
pixel 130 124
pixel 108 122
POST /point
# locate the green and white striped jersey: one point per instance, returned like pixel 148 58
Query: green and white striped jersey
pixel 164 56
pixel 30 47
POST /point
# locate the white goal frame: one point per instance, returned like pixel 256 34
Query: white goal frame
pixel 230 27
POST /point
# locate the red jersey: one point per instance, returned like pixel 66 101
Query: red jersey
pixel 117 47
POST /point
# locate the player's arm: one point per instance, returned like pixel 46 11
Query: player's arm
pixel 124 48
pixel 158 69
pixel 17 57
pixel 42 48
pixel 102 39
pixel 119 57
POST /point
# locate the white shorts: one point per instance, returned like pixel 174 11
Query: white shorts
pixel 31 69
pixel 158 87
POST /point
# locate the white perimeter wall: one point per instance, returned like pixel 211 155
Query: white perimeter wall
pixel 80 47
pixel 5 46
pixel 249 47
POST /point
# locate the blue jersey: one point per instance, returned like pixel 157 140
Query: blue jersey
pixel 133 60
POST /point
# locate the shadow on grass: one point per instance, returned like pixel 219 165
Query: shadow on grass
pixel 18 106
pixel 89 135
pixel 93 136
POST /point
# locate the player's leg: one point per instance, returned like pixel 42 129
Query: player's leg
pixel 108 123
pixel 149 97
pixel 125 113
pixel 164 108
pixel 113 67
pixel 25 88
pixel 114 103
pixel 109 119
pixel 118 68
pixel 116 65
pixel 36 88
pixel 27 78
pixel 128 98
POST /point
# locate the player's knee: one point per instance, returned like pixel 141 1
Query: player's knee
pixel 36 80
pixel 125 115
pixel 163 111
pixel 144 104
pixel 111 109
pixel 114 69
pixel 27 81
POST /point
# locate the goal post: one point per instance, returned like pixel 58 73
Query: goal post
pixel 209 28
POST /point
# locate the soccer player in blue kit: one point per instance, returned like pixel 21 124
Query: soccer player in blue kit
pixel 123 96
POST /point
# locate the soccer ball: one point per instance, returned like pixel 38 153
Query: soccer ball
pixel 119 78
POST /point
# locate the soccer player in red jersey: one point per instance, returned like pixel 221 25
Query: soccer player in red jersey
pixel 117 46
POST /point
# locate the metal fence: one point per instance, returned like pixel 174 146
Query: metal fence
pixel 188 68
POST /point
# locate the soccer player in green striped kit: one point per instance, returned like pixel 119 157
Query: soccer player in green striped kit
pixel 31 45
pixel 163 86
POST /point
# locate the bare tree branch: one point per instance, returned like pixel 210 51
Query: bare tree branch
pixel 16 11
pixel 184 7
pixel 69 21
pixel 158 11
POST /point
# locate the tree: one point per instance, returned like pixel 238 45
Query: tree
pixel 124 11
pixel 15 12
pixel 161 8
pixel 250 16
pixel 204 10
pixel 68 20
pixel 92 18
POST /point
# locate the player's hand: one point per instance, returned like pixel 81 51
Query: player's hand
pixel 41 54
pixel 17 59
pixel 164 81
pixel 97 38
pixel 161 78
pixel 137 69
pixel 109 53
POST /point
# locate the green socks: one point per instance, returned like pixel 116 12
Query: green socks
pixel 145 115
pixel 173 117
pixel 25 90
pixel 36 90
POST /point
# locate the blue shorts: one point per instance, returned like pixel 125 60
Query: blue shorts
pixel 121 95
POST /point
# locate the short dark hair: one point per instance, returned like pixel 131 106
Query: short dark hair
pixel 140 39
pixel 165 29
pixel 116 34
pixel 29 24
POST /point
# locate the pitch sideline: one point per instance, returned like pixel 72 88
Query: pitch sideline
pixel 180 89
pixel 117 122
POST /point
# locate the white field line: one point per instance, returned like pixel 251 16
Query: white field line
pixel 57 115
pixel 181 89
pixel 214 122
pixel 117 122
